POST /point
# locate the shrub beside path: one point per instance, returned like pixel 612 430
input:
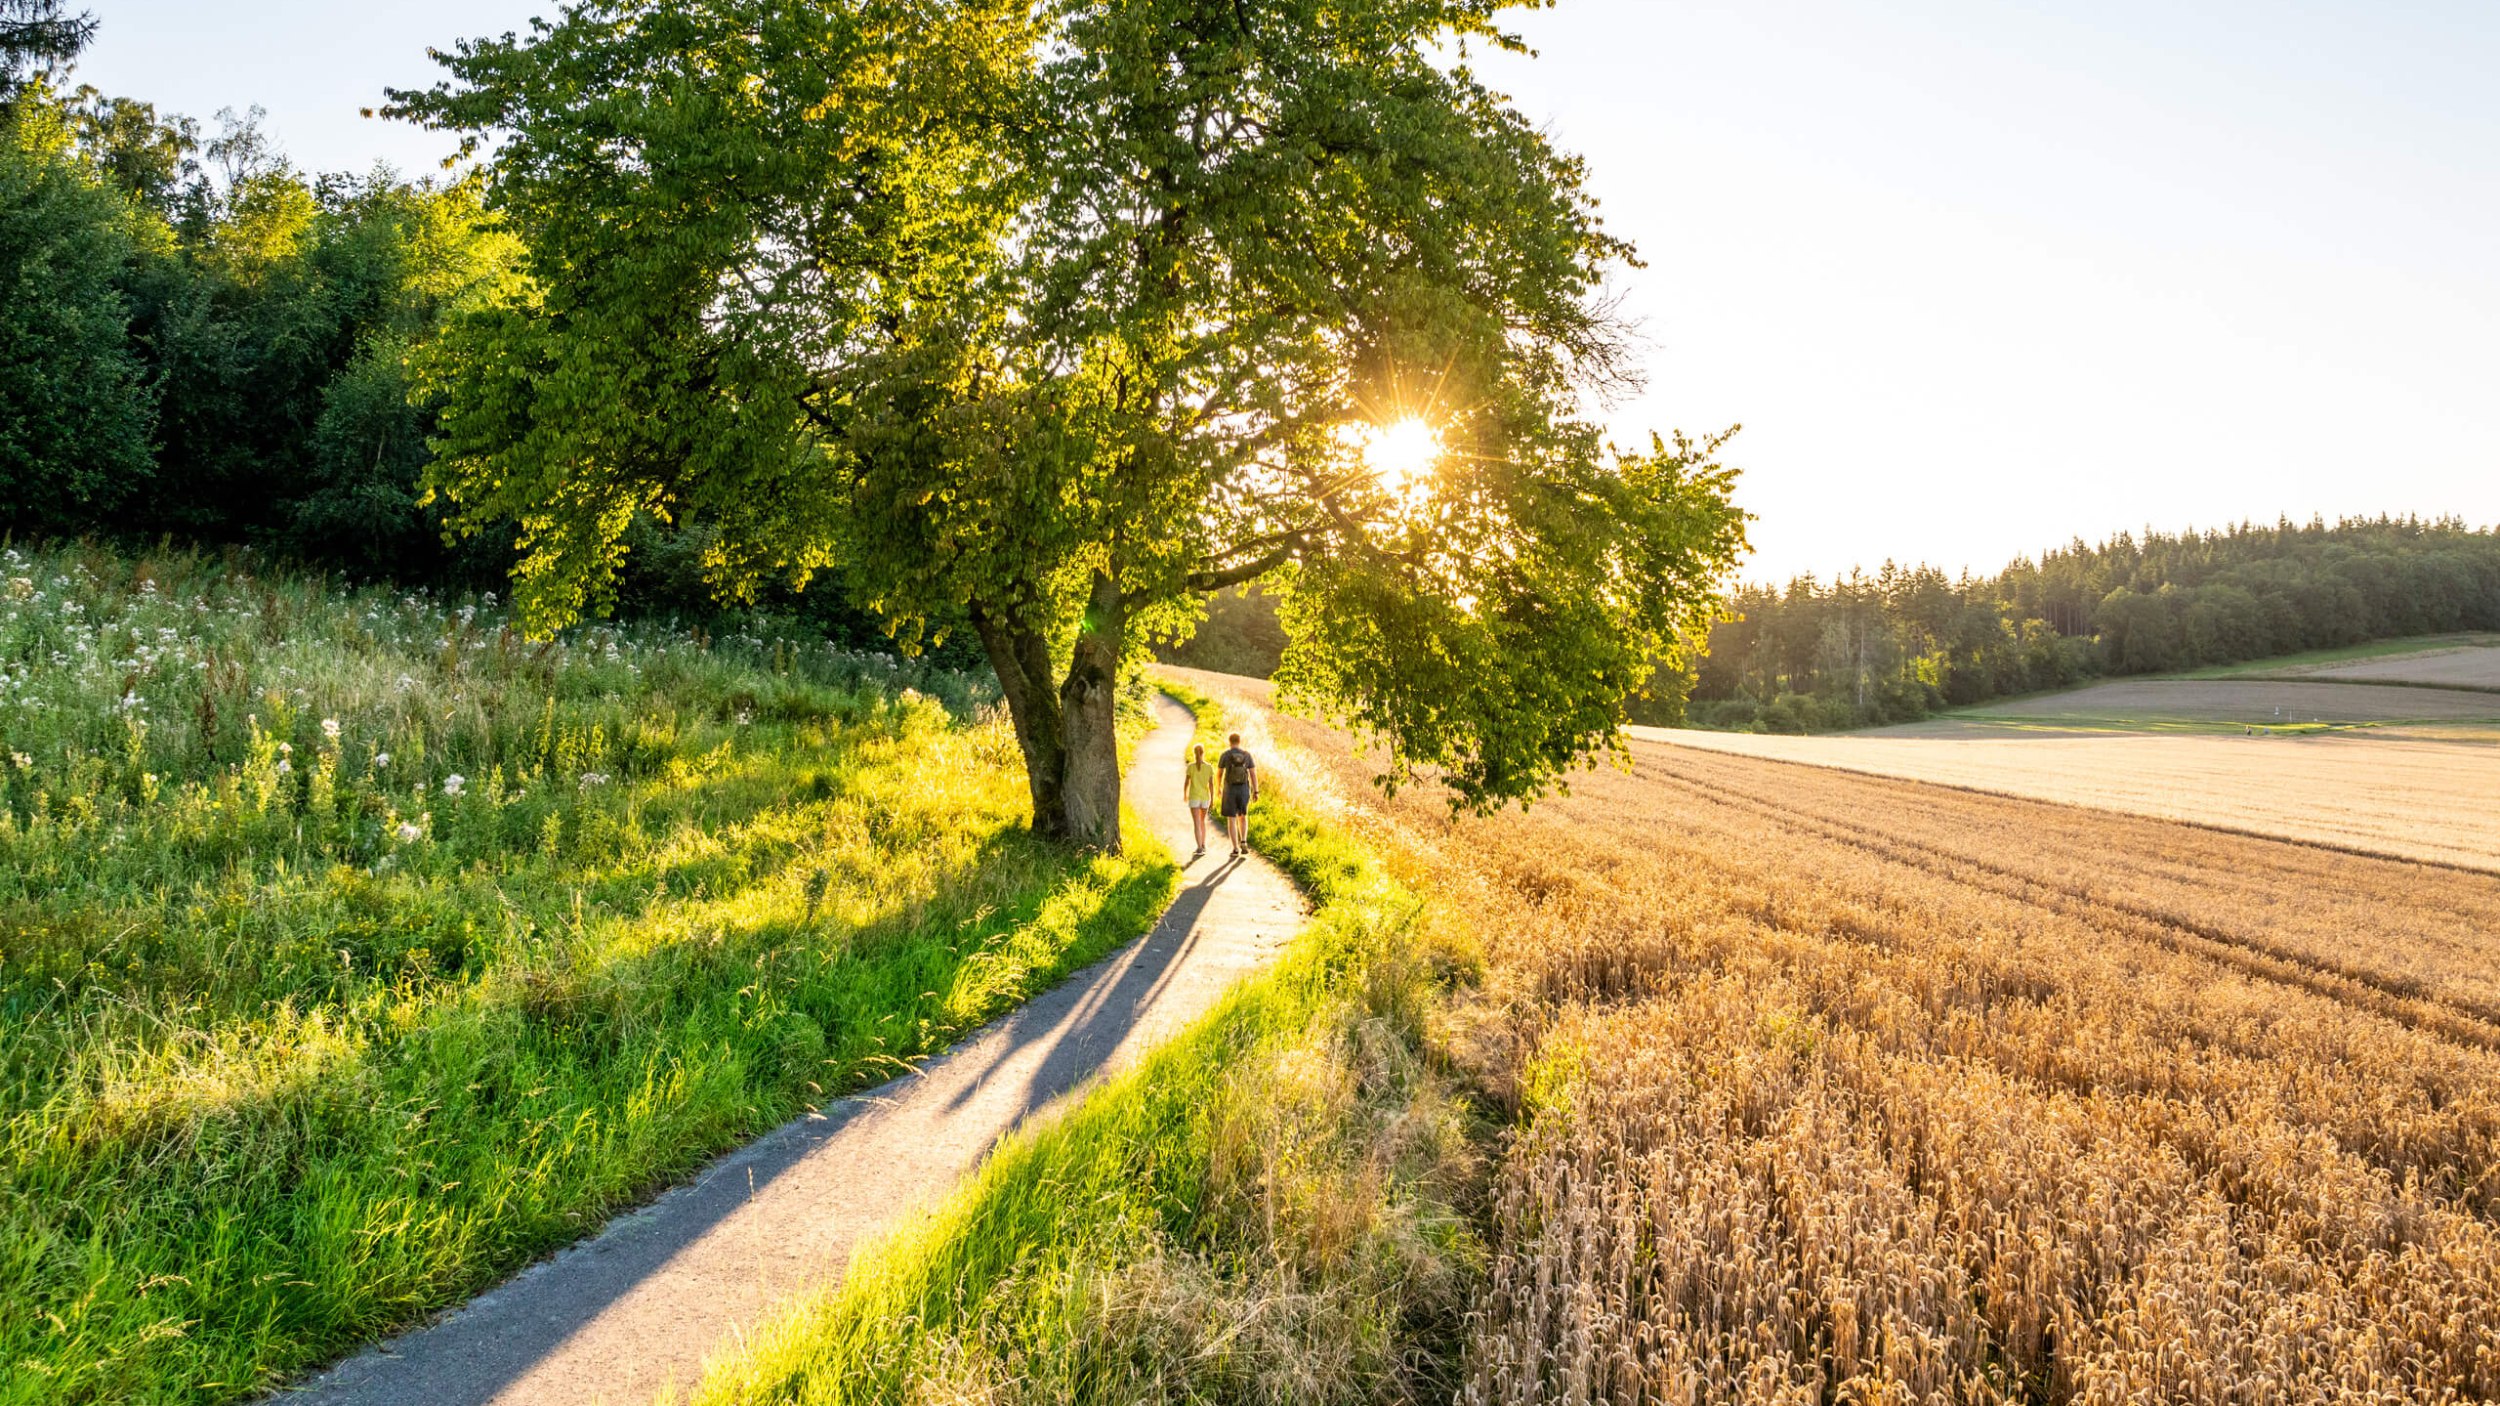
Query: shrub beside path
pixel 661 1289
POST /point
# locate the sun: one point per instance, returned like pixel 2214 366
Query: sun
pixel 1401 453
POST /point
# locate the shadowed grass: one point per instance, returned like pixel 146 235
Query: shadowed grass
pixel 352 954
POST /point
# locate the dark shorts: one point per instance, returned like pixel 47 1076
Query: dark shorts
pixel 1236 801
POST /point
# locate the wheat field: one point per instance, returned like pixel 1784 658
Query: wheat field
pixel 1825 1087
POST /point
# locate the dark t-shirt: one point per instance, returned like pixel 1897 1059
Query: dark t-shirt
pixel 1236 766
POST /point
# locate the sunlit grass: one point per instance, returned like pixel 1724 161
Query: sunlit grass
pixel 354 950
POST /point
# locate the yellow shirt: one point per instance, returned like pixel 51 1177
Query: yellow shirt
pixel 1198 783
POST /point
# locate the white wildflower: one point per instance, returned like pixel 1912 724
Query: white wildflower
pixel 591 779
pixel 285 766
pixel 330 728
pixel 381 759
pixel 454 784
pixel 410 832
pixel 23 761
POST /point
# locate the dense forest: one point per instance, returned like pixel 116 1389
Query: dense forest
pixel 200 341
pixel 1902 643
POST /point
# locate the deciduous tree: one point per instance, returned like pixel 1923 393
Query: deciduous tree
pixel 75 407
pixel 1055 319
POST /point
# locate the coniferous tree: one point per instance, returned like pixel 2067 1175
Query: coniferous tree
pixel 36 37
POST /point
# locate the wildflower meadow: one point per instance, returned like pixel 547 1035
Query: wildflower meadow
pixel 354 948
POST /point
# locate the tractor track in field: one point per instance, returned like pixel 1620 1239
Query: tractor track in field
pixel 2393 998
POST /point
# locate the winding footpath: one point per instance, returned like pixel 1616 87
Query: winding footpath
pixel 646 1302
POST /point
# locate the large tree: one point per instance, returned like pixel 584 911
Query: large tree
pixel 1054 318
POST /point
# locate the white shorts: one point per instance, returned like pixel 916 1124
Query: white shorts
pixel 1198 805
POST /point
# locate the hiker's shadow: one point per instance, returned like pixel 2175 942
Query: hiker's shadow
pixel 1110 1002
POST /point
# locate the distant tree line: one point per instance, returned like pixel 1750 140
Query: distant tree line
pixel 1242 634
pixel 1904 642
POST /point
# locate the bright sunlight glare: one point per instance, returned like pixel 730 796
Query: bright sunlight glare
pixel 1401 453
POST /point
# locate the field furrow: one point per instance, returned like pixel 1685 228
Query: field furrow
pixel 2399 997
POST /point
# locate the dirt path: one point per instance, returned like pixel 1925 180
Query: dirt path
pixel 642 1305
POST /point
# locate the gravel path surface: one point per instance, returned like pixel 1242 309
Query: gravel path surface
pixel 662 1289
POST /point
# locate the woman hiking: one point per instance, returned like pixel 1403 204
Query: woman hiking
pixel 1198 792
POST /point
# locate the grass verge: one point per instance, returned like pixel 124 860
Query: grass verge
pixel 1272 1207
pixel 354 952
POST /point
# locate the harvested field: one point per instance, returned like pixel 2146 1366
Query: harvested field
pixel 2213 705
pixel 2425 798
pixel 2470 667
pixel 1831 1087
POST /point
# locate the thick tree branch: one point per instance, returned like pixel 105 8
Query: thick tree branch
pixel 1218 578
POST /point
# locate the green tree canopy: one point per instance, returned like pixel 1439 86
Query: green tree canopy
pixel 145 158
pixel 1053 319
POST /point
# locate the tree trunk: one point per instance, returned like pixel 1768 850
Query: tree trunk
pixel 1089 711
pixel 1021 658
pixel 1069 734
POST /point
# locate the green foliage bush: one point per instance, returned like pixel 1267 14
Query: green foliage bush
pixel 75 402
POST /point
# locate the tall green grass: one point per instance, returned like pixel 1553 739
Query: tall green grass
pixel 354 950
pixel 1273 1207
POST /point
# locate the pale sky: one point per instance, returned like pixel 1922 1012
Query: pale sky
pixel 1976 277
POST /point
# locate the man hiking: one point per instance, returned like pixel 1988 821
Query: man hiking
pixel 1241 786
